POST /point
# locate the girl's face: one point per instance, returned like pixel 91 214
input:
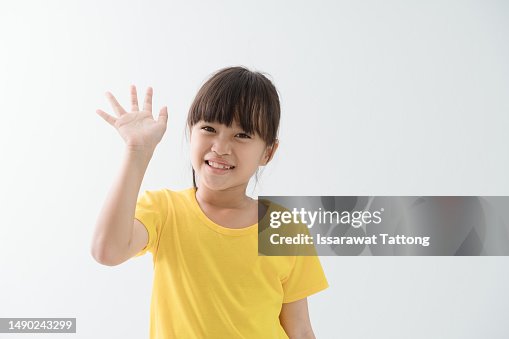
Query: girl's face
pixel 225 157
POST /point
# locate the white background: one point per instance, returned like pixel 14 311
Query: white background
pixel 378 98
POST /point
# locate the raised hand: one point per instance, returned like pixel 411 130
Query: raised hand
pixel 138 128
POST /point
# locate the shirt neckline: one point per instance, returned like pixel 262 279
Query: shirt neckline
pixel 191 195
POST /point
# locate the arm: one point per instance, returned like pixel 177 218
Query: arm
pixel 111 244
pixel 118 236
pixel 294 318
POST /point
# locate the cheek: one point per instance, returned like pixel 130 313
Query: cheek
pixel 195 152
pixel 257 158
pixel 196 142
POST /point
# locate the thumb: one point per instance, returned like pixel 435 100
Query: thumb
pixel 163 116
pixel 108 118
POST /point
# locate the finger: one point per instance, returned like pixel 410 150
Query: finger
pixel 147 106
pixel 134 99
pixel 109 119
pixel 116 106
pixel 163 116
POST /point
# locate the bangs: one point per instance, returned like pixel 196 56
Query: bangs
pixel 237 94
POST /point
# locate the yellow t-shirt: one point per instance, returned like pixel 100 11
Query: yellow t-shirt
pixel 209 281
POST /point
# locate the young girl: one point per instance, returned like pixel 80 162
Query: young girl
pixel 209 281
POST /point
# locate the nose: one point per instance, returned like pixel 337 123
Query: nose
pixel 221 146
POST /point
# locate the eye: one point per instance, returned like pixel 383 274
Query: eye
pixel 244 136
pixel 208 129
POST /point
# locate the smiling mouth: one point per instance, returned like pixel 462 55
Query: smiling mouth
pixel 217 165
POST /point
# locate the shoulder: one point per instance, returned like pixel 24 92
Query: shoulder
pixel 165 199
pixel 169 194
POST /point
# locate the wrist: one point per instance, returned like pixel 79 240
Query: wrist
pixel 139 152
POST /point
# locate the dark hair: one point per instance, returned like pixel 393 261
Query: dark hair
pixel 238 94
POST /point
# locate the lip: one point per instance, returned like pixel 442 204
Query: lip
pixel 218 171
pixel 220 161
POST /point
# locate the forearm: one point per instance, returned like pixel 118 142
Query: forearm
pixel 114 224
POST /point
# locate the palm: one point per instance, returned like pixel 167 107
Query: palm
pixel 138 128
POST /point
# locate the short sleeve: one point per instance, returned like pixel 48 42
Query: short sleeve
pixel 151 211
pixel 306 278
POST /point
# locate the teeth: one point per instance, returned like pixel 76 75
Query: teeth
pixel 218 165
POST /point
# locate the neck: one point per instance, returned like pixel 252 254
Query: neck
pixel 232 198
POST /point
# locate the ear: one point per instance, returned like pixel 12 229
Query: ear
pixel 269 153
